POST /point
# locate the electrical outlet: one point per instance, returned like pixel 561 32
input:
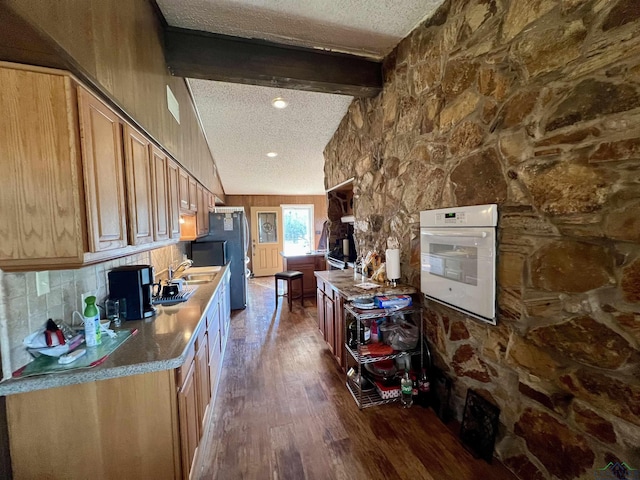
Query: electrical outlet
pixel 42 283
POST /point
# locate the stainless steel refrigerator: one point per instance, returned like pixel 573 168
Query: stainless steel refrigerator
pixel 227 224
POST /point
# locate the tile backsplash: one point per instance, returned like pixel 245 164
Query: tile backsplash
pixel 22 311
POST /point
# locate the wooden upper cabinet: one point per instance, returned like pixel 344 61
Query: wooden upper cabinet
pixel 193 194
pixel 103 167
pixel 184 189
pixel 138 175
pixel 173 189
pixel 202 216
pixel 160 192
pixel 40 202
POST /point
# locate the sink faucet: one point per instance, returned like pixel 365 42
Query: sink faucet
pixel 182 266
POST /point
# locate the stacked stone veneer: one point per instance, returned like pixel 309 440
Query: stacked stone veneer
pixel 534 105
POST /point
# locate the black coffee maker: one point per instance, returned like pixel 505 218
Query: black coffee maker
pixel 134 283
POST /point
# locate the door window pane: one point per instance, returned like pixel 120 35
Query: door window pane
pixel 267 227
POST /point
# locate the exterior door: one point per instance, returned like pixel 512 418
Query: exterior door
pixel 266 240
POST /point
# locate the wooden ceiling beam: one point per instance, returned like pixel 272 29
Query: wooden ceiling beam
pixel 203 55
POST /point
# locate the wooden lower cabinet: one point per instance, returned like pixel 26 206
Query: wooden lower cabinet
pixel 330 306
pixel 202 377
pixel 139 426
pixel 189 422
pixel 123 427
pixel 320 305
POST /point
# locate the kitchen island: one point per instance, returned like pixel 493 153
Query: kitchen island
pixel 334 288
pixel 141 413
pixel 307 263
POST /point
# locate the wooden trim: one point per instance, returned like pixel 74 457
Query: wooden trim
pixel 196 54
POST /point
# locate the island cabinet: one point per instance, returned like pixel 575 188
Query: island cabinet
pixel 307 264
pixel 330 319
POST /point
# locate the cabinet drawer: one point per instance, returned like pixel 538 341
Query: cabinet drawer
pixel 320 284
pixel 329 292
pixel 181 372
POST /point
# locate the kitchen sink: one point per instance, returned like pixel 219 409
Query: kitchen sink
pixel 198 278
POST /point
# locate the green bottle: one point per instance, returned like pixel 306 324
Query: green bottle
pixel 91 322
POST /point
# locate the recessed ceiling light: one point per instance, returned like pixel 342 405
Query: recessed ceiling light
pixel 272 154
pixel 279 102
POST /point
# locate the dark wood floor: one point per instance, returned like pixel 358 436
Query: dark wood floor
pixel 283 412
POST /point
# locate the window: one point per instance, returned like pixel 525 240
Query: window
pixel 298 229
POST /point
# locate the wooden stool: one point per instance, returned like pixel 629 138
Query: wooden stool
pixel 289 276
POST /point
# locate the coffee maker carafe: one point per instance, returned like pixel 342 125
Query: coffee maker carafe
pixel 133 283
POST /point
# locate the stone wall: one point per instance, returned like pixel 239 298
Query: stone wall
pixel 534 105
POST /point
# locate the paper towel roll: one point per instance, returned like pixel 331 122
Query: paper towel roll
pixel 393 263
pixel 345 247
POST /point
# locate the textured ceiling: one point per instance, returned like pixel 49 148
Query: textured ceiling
pixel 362 27
pixel 242 127
pixel 240 123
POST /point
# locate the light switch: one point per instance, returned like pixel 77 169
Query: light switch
pixel 42 283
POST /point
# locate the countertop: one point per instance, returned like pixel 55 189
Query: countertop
pixel 344 282
pixel 161 343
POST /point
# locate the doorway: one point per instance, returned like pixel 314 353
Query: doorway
pixel 266 240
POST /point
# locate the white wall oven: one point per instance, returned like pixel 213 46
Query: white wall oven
pixel 458 258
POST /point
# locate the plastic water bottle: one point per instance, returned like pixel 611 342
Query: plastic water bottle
pixel 406 386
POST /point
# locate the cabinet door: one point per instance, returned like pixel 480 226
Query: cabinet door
pixel 215 357
pixel 329 322
pixel 160 194
pixel 320 309
pixel 103 166
pixel 140 199
pixel 189 425
pixel 338 331
pixel 202 217
pixel 193 194
pixel 173 187
pixel 202 381
pixel 184 190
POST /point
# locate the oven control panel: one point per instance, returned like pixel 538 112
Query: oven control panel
pixel 453 218
pixel 468 216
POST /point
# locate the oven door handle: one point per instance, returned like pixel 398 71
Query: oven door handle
pixel 482 234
